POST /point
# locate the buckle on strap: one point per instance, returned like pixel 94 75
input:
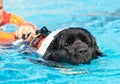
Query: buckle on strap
pixel 43 32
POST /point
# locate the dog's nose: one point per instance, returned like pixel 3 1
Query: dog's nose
pixel 81 51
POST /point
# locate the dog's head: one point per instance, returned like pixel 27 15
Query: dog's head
pixel 74 46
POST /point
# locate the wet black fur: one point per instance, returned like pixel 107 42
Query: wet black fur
pixel 74 46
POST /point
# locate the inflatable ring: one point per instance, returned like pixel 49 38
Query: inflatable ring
pixel 11 19
pixel 6 37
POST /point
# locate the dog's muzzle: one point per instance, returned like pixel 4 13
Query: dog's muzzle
pixel 82 50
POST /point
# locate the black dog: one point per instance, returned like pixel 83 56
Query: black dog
pixel 74 46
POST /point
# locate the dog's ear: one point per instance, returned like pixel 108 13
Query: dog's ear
pixel 98 51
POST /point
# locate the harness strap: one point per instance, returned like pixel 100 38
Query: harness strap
pixel 40 42
pixel 41 35
pixel 37 41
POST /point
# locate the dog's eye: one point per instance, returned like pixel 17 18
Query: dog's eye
pixel 84 39
pixel 68 41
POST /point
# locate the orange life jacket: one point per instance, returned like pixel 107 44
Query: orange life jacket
pixel 12 19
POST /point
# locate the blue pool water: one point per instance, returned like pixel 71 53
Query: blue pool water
pixel 100 17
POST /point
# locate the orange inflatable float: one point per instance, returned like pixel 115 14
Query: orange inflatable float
pixel 12 19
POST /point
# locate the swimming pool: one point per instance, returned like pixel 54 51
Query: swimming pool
pixel 101 18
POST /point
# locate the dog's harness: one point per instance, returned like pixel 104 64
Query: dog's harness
pixel 46 42
pixel 41 35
